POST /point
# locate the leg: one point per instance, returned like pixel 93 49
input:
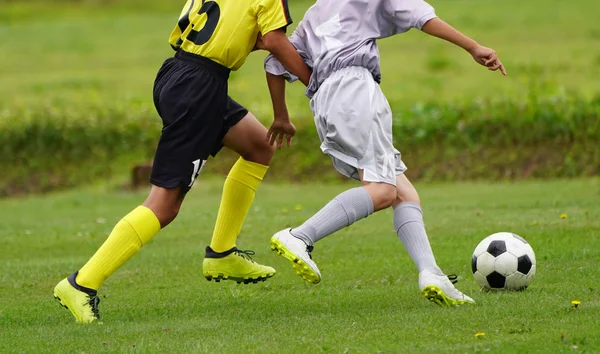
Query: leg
pixel 247 138
pixel 78 292
pixel 187 138
pixel 164 203
pixel 354 124
pixel 408 222
pixel 346 209
pixel 342 211
pixel 382 194
pixel 130 234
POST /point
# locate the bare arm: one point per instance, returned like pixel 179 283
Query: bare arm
pixel 282 127
pixel 485 56
pixel 282 49
pixel 439 28
pixel 277 90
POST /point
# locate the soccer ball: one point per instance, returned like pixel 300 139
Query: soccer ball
pixel 503 261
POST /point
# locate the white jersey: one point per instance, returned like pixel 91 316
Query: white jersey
pixel 336 34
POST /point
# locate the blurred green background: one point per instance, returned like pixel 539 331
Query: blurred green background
pixel 109 51
pixel 76 103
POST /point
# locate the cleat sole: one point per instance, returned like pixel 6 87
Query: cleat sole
pixel 437 296
pixel 219 277
pixel 301 268
pixel 60 302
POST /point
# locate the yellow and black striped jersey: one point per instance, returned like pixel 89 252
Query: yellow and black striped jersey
pixel 225 31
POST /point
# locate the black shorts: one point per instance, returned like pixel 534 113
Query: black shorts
pixel 190 95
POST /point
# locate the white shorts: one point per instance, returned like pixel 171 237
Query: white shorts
pixel 354 123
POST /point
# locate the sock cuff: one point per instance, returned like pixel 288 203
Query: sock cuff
pixel 356 203
pixel 406 213
pixel 144 222
pixel 363 194
pixel 248 173
pixel 410 205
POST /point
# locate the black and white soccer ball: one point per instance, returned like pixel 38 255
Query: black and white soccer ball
pixel 503 261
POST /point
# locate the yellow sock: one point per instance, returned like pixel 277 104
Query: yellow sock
pixel 238 194
pixel 125 240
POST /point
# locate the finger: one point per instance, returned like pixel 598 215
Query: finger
pixel 289 140
pixel 269 133
pixel 273 137
pixel 502 69
pixel 490 59
pixel 494 67
pixel 280 141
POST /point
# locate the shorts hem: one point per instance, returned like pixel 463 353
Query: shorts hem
pixel 230 123
pixel 184 186
pixel 352 162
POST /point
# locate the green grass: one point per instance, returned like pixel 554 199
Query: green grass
pixel 368 301
pixel 73 53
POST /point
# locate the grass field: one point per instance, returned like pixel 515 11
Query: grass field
pixel 79 58
pixel 71 54
pixel 368 301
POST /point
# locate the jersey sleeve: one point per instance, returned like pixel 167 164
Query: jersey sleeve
pixel 407 14
pixel 272 15
pixel 274 67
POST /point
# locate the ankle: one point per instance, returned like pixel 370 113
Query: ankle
pixel 434 269
pixel 210 253
pixel 302 238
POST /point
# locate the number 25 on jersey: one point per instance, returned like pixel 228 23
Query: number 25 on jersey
pixel 198 13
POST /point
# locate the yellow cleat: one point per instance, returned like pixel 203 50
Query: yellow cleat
pixel 82 302
pixel 235 265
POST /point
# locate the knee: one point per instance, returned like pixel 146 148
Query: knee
pixel 383 195
pixel 406 195
pixel 165 213
pixel 168 215
pixel 165 210
pixel 261 152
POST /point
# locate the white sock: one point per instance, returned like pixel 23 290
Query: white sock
pixel 408 222
pixel 344 210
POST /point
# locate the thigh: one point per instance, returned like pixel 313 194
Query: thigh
pixel 361 127
pixel 248 137
pixel 191 103
pixel 405 191
pixel 353 114
pixel 234 113
pixel 351 121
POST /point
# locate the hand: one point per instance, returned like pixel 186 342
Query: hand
pixel 488 58
pixel 260 45
pixel 281 128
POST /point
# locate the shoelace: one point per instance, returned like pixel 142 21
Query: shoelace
pixel 453 278
pixel 94 301
pixel 309 249
pixel 245 254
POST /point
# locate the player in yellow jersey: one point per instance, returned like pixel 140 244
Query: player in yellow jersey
pixel 211 38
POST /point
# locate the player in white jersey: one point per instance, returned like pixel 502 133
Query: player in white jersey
pixel 337 39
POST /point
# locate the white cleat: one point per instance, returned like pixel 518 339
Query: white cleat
pixel 438 288
pixel 297 252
